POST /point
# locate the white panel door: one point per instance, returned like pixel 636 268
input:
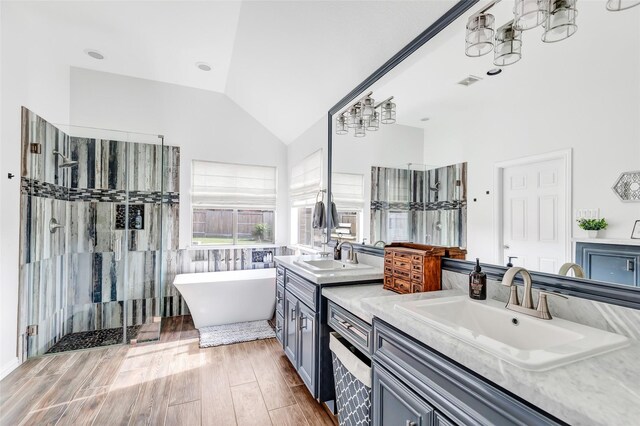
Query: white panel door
pixel 534 212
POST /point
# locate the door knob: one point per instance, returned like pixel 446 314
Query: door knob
pixel 506 247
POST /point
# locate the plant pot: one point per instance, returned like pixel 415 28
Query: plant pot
pixel 592 234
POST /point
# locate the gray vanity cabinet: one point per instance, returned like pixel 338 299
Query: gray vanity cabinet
pixel 415 385
pixel 396 404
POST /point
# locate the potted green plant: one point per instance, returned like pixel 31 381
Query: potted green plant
pixel 260 231
pixel 592 226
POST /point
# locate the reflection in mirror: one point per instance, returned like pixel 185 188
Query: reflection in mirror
pixel 527 149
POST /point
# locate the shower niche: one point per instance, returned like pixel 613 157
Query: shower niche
pixel 92 282
pixel 134 220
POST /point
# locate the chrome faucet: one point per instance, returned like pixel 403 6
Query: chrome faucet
pixel 526 307
pixel 353 256
pixel 578 272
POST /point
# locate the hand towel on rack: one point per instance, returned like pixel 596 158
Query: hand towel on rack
pixel 334 214
pixel 319 219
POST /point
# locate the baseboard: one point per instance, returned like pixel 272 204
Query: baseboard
pixel 9 367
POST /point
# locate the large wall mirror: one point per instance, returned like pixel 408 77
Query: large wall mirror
pixel 499 160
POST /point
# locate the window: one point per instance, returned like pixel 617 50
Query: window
pixel 233 203
pixel 306 181
pixel 348 194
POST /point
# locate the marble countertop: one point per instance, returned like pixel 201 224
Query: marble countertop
pixel 330 277
pixel 604 389
pixel 351 297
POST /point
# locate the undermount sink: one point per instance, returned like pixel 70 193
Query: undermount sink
pixel 527 342
pixel 329 265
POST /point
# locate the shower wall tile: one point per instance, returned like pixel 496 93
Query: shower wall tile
pixel 82 227
pixel 172 169
pixel 101 164
pixel 80 273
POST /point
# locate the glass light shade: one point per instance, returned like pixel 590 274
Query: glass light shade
pixel 508 48
pixel 528 14
pixel 562 21
pixel 366 106
pixel 618 5
pixel 373 123
pixel 388 112
pixel 479 38
pixel 341 125
pixel 360 128
pixel 352 117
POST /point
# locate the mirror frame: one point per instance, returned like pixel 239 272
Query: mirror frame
pixel 587 289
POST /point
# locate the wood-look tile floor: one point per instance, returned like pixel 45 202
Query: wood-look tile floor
pixel 170 382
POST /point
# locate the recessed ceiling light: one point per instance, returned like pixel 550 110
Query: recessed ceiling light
pixel 94 54
pixel 424 119
pixel 494 71
pixel 203 66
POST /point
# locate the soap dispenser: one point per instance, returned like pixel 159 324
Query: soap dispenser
pixel 478 283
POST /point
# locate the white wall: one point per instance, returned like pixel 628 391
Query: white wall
pixel 205 125
pixel 596 115
pixel 31 78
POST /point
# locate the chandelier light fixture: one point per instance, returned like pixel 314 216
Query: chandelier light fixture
pixel 365 116
pixel 528 14
pixel 508 45
pixel 618 5
pixel 479 38
pixel 561 23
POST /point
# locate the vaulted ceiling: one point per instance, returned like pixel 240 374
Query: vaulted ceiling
pixel 284 62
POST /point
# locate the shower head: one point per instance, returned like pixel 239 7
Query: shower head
pixel 66 161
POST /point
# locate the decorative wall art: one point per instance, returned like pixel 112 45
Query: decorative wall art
pixel 627 187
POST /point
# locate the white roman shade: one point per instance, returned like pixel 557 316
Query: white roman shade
pixel 348 191
pixel 217 185
pixel 306 180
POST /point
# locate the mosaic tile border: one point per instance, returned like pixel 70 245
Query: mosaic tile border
pixel 416 206
pixel 49 190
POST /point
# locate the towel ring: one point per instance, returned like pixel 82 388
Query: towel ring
pixel 320 193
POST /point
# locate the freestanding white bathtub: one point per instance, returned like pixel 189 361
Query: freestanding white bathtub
pixel 216 298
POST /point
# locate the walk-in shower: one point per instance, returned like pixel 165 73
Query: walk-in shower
pixel 98 210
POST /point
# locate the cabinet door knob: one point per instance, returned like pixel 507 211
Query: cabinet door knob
pixel 629 265
pixel 293 312
pixel 411 423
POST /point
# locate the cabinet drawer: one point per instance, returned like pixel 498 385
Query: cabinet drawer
pixel 402 286
pixel 388 259
pixel 402 256
pixel 401 264
pixel 302 289
pixel 417 278
pixel 352 328
pixel 388 270
pixel 417 259
pixel 388 282
pixel 280 299
pixel 280 274
pixel 402 273
pixel 416 267
pixel 416 288
pixel 279 327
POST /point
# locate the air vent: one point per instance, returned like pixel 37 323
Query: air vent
pixel 469 80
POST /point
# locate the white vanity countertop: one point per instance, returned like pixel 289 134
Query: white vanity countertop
pixel 330 277
pixel 604 389
pixel 621 241
pixel 351 297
